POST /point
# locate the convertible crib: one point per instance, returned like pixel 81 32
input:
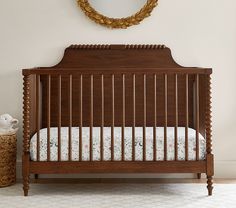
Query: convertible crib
pixel 117 109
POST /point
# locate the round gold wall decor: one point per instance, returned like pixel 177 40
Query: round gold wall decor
pixel 117 22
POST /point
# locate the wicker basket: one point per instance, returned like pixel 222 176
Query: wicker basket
pixel 7 160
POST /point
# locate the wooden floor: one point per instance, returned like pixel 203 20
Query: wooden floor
pixel 128 180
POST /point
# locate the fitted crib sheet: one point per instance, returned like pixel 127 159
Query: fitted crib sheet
pixel 117 144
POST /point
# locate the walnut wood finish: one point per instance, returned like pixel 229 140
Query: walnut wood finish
pixel 102 119
pixel 165 114
pixel 81 118
pixel 187 115
pixel 113 116
pixel 134 116
pixel 70 116
pixel 210 157
pixel 155 116
pixel 48 116
pixel 123 118
pixel 117 85
pixel 59 118
pixel 144 116
pixel 26 134
pixel 197 116
pixel 91 118
pixel 38 115
pixel 129 117
pixel 117 167
pixel 176 116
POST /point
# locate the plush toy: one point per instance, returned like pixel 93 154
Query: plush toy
pixel 7 124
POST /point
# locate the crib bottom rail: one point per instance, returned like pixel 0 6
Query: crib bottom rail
pixel 118 167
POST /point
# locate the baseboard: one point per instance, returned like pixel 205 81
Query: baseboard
pixel 223 169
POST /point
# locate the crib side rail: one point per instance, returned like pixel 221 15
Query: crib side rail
pixel 174 87
pixel 118 70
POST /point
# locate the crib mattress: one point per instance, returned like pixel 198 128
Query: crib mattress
pixel 117 144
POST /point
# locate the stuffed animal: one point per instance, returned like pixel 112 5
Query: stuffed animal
pixel 7 124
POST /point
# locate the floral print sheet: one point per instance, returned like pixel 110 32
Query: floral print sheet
pixel 117 144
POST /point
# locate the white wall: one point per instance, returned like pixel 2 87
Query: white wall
pixel 200 33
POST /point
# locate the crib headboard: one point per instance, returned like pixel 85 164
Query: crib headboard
pixel 115 56
pixel 112 62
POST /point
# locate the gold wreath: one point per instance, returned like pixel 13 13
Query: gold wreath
pixel 117 22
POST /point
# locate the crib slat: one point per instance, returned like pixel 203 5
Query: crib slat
pixel 113 118
pixel 48 115
pixel 81 119
pixel 70 117
pixel 123 117
pixel 155 118
pixel 133 128
pixel 91 118
pixel 144 116
pixel 197 117
pixel 38 115
pixel 59 118
pixel 102 125
pixel 187 117
pixel 166 113
pixel 176 117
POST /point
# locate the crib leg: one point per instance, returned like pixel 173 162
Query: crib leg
pixel 209 185
pixel 26 185
pixel 25 173
pixel 36 176
pixel 210 172
pixel 198 175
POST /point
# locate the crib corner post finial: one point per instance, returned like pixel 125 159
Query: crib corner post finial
pixel 26 133
pixel 208 124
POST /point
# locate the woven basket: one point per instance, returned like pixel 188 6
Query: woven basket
pixel 7 160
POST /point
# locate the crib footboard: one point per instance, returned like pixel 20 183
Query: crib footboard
pixel 117 109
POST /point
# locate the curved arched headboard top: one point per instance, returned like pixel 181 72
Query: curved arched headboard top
pixel 107 56
pixel 87 64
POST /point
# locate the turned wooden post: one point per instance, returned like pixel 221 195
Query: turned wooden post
pixel 208 124
pixel 26 134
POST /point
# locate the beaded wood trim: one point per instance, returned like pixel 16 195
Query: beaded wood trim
pixel 117 22
pixel 109 47
pixel 7 160
pixel 208 118
pixel 26 113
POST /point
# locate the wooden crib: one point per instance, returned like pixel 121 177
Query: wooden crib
pixel 132 88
